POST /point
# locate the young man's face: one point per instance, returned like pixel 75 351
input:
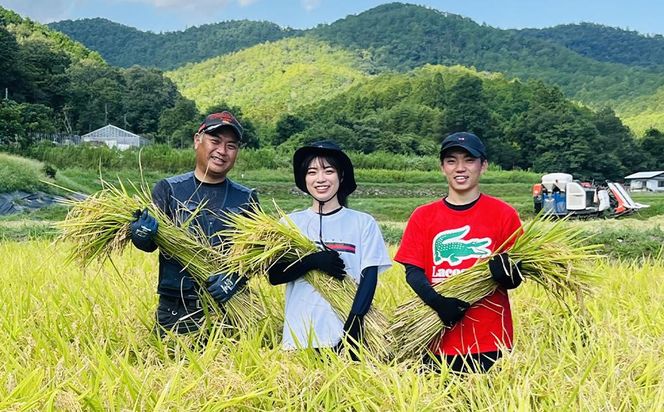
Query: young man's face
pixel 215 154
pixel 462 171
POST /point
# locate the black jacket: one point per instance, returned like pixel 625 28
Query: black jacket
pixel 177 196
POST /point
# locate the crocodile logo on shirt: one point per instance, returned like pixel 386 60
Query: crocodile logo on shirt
pixel 450 245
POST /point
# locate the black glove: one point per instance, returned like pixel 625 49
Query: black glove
pixel 287 271
pixel 222 286
pixel 327 261
pixel 450 310
pixel 354 333
pixel 143 230
pixel 504 271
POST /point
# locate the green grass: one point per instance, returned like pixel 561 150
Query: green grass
pixel 19 173
pixel 89 181
pixel 655 202
pixel 26 230
pixel 75 339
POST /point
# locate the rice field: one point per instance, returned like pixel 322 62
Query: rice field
pixel 74 339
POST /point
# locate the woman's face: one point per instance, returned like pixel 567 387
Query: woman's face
pixel 322 180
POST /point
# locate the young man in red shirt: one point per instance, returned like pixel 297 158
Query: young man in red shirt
pixel 447 236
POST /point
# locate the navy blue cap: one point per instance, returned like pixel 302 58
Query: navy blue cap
pixel 464 140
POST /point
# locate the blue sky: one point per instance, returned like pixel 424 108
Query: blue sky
pixel 644 16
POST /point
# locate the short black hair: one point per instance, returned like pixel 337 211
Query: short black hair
pixel 335 163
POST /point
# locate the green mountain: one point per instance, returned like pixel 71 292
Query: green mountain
pixel 270 79
pixel 606 44
pixel 126 46
pixel 368 91
pixel 594 64
pixel 402 36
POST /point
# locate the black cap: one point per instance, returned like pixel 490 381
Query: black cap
pixel 216 120
pixel 468 141
pixel 325 148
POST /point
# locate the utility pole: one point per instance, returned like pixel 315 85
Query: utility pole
pixel 105 114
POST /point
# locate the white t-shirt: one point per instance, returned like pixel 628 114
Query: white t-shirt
pixel 310 321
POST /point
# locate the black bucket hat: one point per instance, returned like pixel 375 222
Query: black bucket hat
pixel 325 148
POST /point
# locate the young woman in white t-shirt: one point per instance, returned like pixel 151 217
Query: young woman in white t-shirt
pixel 350 242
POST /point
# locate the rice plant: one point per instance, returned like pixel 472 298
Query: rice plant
pixel 256 240
pixel 554 255
pixel 75 339
pixel 98 228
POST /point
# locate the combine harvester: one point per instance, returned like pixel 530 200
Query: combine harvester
pixel 560 195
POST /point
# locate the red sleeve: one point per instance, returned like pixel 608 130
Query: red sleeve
pixel 412 248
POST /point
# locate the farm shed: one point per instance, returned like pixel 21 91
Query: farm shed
pixel 646 181
pixel 113 136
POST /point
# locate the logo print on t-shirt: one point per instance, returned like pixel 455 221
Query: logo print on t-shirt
pixel 338 246
pixel 450 245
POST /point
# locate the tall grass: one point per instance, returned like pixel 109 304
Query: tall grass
pixel 19 173
pixel 80 340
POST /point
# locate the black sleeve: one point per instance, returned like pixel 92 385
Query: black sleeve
pixel 417 281
pixel 161 195
pixel 253 199
pixel 365 291
pixel 284 271
pixel 252 204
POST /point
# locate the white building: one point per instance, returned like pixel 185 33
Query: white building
pixel 113 136
pixel 646 181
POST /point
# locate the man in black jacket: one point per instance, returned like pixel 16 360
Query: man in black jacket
pixel 217 143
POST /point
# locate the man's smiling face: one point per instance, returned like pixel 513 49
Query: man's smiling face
pixel 215 154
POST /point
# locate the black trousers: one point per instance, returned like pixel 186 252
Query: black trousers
pixel 178 315
pixel 474 362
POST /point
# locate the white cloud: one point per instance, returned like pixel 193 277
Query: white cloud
pixel 310 5
pixel 212 5
pixel 43 11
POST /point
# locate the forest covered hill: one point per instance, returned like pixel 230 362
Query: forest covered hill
pixel 607 44
pixel 593 64
pixel 396 78
pixel 126 46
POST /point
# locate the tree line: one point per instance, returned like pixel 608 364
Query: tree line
pixel 126 46
pixel 527 125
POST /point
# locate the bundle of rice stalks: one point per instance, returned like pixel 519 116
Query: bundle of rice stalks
pixel 552 254
pixel 257 240
pixel 99 226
